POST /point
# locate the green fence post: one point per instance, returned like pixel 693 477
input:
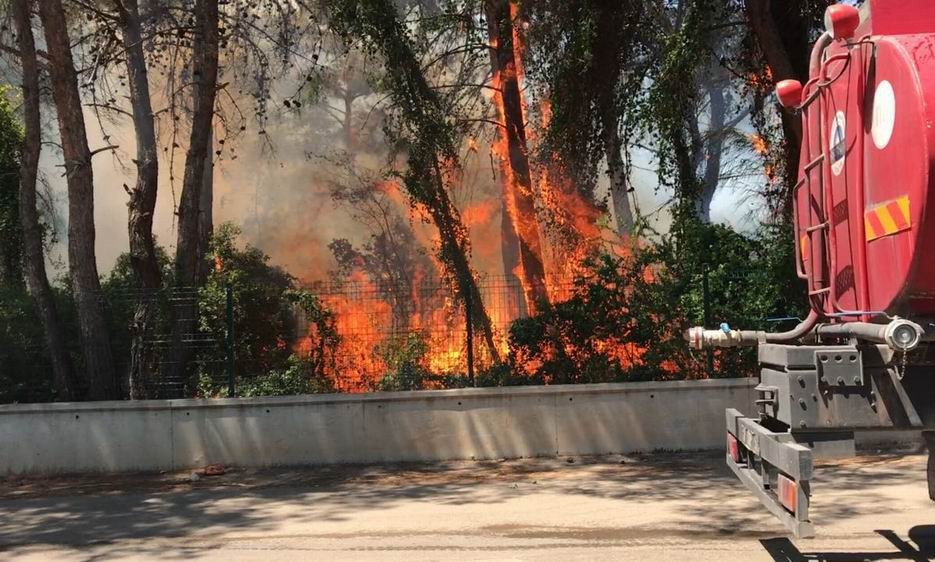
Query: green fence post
pixel 231 391
pixel 469 337
pixel 706 312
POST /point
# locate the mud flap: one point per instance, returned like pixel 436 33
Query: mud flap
pixel 775 468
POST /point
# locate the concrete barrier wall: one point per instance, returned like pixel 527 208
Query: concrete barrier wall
pixel 485 423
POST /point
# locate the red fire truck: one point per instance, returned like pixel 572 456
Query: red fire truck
pixel 865 247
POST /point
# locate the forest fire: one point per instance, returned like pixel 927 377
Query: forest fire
pixel 574 219
pixel 397 176
pixel 386 324
pixel 378 333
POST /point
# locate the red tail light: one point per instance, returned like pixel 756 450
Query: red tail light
pixel 788 492
pixel 733 448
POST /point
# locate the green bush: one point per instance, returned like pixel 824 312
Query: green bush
pixel 267 307
pixel 26 375
pixel 298 377
pixel 263 320
pixel 626 317
pixel 405 359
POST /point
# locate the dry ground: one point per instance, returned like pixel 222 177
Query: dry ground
pixel 646 507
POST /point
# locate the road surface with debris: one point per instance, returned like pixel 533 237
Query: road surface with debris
pixel 643 507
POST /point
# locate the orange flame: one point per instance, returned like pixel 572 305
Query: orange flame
pixel 760 145
pixel 363 312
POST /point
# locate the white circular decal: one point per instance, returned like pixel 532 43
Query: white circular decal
pixel 884 115
pixel 838 146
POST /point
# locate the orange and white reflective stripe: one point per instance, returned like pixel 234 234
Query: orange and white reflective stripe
pixel 803 245
pixel 887 218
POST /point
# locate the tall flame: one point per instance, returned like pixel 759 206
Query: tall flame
pixel 373 337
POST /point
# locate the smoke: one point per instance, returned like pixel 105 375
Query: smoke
pixel 277 187
pixel 277 177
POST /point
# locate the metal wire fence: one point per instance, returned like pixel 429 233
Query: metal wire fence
pixel 382 329
pixel 180 352
pixel 374 335
pixel 388 327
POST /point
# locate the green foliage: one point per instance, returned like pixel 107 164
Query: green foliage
pixel 588 59
pixel 11 232
pixel 405 359
pixel 25 376
pixel 299 376
pixel 422 126
pixel 626 317
pixel 270 315
pixel 122 277
pixel 26 373
pixel 667 110
pixel 121 292
pixel 262 309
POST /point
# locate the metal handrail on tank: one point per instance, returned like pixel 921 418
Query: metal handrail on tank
pixel 818 67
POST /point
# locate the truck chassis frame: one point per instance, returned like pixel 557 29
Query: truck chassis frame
pixel 811 400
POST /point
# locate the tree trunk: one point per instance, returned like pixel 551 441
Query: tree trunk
pixel 63 375
pixel 190 251
pixel 509 251
pixel 715 145
pixel 606 69
pixel 206 211
pixel 519 180
pixel 768 36
pixel 95 337
pixel 188 257
pixel 785 46
pixel 509 241
pixel 617 172
pixel 348 122
pixel 142 203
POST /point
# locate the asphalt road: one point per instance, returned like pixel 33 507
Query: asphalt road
pixel 647 508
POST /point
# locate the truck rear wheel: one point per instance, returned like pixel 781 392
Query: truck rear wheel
pixel 929 437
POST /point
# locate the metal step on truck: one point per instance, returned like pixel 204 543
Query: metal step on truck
pixel 864 226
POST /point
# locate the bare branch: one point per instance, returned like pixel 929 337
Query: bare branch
pixel 104 149
pixel 109 108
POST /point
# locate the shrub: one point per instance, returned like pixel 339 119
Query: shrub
pixel 298 377
pixel 626 317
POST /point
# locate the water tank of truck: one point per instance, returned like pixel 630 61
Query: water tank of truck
pixel 864 201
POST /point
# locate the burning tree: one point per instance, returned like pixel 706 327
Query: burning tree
pixel 511 147
pixel 423 132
